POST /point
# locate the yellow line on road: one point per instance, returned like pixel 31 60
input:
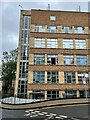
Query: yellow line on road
pixel 61 106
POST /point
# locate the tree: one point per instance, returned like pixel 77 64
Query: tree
pixel 10 56
pixel 8 69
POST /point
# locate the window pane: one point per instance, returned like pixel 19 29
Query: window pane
pixel 39 59
pixel 52 29
pixel 67 29
pixel 52 77
pixel 80 44
pixel 39 43
pixel 52 43
pixel 39 28
pixel 52 59
pixel 67 43
pixel 69 77
pixel 81 60
pixel 52 17
pixel 38 77
pixel 79 29
pixel 68 59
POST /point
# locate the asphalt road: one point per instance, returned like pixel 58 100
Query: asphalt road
pixel 78 112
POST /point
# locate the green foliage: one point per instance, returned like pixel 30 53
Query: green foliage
pixel 8 69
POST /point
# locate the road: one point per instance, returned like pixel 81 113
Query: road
pixel 73 112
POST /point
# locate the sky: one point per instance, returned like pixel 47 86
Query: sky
pixel 10 15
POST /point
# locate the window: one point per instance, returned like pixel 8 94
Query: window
pixel 25 36
pixel 70 94
pixel 52 77
pixel 68 59
pixel 52 43
pixel 81 59
pixel 38 94
pixel 67 43
pixel 22 86
pixel 39 59
pixel 79 29
pixel 24 52
pixel 53 17
pixel 26 22
pixel 67 29
pixel 52 29
pixel 52 94
pixel 69 77
pixel 38 77
pixel 52 59
pixel 83 76
pixel 40 28
pixel 39 43
pixel 23 72
pixel 80 44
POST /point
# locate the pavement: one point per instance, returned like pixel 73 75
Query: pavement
pixel 43 104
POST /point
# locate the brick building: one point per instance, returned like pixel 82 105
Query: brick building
pixel 53 54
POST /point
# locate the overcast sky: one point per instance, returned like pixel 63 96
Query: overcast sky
pixel 10 16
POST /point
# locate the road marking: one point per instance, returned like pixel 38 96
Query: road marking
pixel 48 115
pixel 53 114
pixel 57 117
pixel 27 114
pixel 31 110
pixel 27 111
pixel 45 113
pixel 40 114
pixel 37 111
pixel 63 116
pixel 75 119
pixel 33 115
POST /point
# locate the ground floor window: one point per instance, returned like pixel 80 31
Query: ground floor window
pixel 37 95
pixel 52 94
pixel 70 94
pixel 84 93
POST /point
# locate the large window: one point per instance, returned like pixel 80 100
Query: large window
pixel 52 43
pixel 52 77
pixel 79 29
pixel 26 22
pixel 24 52
pixel 52 29
pixel 52 94
pixel 39 43
pixel 52 59
pixel 38 94
pixel 69 77
pixel 22 87
pixel 39 59
pixel 67 43
pixel 81 59
pixel 25 36
pixel 80 44
pixel 68 59
pixel 83 76
pixel 67 29
pixel 38 77
pixel 70 94
pixel 23 72
pixel 39 28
